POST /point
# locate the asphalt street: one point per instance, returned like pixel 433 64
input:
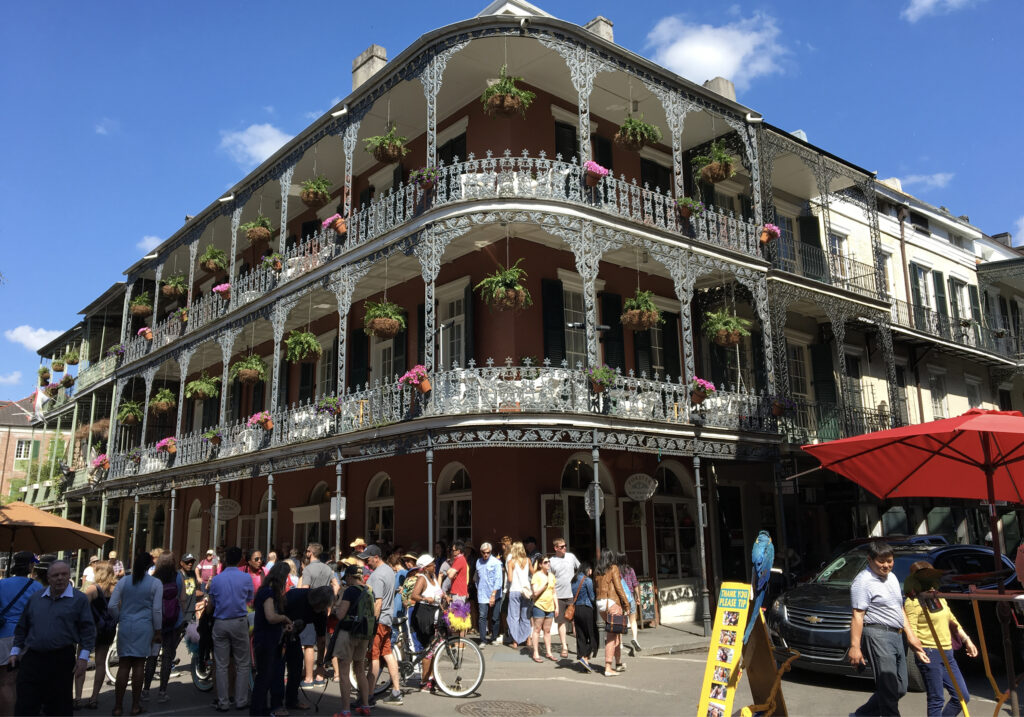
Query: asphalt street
pixel 516 686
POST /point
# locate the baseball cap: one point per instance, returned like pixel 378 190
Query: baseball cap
pixel 424 560
pixel 357 542
pixel 24 557
pixel 352 571
pixel 371 552
pixel 210 551
pixel 189 558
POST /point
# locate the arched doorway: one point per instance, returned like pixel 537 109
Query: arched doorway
pixel 312 521
pixel 454 504
pixel 564 513
pixel 380 510
pixel 194 538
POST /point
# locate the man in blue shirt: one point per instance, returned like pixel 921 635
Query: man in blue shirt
pixel 489 581
pixel 14 594
pixel 231 593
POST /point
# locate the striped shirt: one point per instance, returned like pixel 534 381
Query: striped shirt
pixel 881 599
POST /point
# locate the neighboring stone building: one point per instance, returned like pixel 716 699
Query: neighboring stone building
pixel 513 433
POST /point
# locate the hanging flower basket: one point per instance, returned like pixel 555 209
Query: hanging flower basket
pixel 68 381
pixel 261 419
pixel 141 310
pixel 258 234
pixel 146 332
pixel 627 142
pixel 700 389
pixel 101 461
pixel 130 420
pixel 770 232
pixel 727 338
pixel 248 375
pixel 383 328
pixel 168 445
pixel 505 106
pixel 314 199
pixel 716 172
pixel 160 407
pixel 336 222
pixel 171 291
pixel 416 376
pixel 213 437
pixel 387 153
pixel 511 300
pixel 58 366
pixel 210 265
pixel 636 320
pixel 593 173
pixel 223 291
pixel 71 360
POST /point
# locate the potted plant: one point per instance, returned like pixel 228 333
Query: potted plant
pixel 213 259
pixel 770 232
pixel 213 436
pixel 223 291
pixel 259 229
pixel 57 365
pixel 640 313
pixel 116 351
pixel 204 387
pixel 700 389
pixel 504 288
pixel 330 405
pixel 146 332
pixel 389 147
pixel 725 328
pixel 129 412
pixel 44 375
pixel 302 345
pixel 167 445
pixel 68 381
pixel 101 461
pixel 593 172
pixel 966 322
pixel 181 314
pixel 336 222
pixel 71 357
pixel 261 419
pixel 51 389
pixel 383 319
pixel 635 133
pixel 135 456
pixel 782 405
pixel 424 178
pixel 249 370
pixel 601 377
pixel 316 192
pixel 688 207
pixel 504 99
pixel 175 286
pixel 417 377
pixel 716 165
pixel 272 262
pixel 163 401
pixel 141 305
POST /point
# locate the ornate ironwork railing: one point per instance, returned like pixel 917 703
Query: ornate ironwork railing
pixel 963 331
pixel 486 389
pixel 829 268
pixel 95 372
pixel 814 421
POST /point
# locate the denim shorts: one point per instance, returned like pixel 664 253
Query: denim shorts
pixel 538 613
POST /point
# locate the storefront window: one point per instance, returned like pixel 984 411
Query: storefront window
pixel 455 506
pixel 675 531
pixel 380 510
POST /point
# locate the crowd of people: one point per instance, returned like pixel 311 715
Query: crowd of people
pixel 297 621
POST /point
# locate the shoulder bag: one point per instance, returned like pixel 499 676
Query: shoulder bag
pixel 3 613
pixel 570 611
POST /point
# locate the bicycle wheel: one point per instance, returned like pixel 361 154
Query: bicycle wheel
pixel 458 667
pixel 202 673
pixel 110 666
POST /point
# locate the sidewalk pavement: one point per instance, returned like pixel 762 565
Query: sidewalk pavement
pixel 665 639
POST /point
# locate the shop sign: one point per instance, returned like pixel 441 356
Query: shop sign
pixel 721 675
pixel 640 487
pixel 589 502
pixel 229 509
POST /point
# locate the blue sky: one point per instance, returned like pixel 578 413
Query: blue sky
pixel 121 117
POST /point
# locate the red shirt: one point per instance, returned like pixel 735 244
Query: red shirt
pixel 460 585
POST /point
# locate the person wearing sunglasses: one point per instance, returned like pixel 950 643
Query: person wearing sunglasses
pixel 254 567
pixel 545 608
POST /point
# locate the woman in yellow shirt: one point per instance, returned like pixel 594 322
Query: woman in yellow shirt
pixel 936 678
pixel 545 608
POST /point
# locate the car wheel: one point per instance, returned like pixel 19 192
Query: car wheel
pixel 915 681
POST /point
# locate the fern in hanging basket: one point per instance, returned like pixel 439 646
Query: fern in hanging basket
pixel 163 401
pixel 316 192
pixel 302 345
pixel 384 319
pixel 388 147
pixel 634 134
pixel 259 229
pixel 71 357
pixel 716 165
pixel 129 412
pixel 44 375
pixel 504 99
pixel 724 328
pixel 213 259
pixel 505 289
pixel 249 370
pixel 141 305
pixel 639 312
pixel 174 286
pixel 204 387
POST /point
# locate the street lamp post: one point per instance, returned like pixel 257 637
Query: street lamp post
pixel 705 596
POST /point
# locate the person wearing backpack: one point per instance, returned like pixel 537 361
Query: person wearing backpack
pixel 15 591
pixel 172 597
pixel 356 625
pixel 106 628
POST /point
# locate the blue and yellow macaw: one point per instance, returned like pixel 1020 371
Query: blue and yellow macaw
pixel 762 556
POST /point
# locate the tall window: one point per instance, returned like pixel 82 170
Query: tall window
pixel 455 505
pixel 327 367
pixel 23 450
pixel 675 531
pixel 837 247
pixel 383 359
pixel 451 313
pixel 786 242
pixel 575 339
pixel 973 393
pixel 657 352
pixel 380 510
pixel 937 388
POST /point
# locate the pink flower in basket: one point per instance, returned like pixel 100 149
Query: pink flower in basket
pixel 414 376
pixel 258 418
pixel 99 460
pixel 594 168
pixel 143 330
pixel 773 230
pixel 330 220
pixel 700 384
pixel 222 288
pixel 166 443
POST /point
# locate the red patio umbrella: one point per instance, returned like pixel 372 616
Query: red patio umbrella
pixel 979 455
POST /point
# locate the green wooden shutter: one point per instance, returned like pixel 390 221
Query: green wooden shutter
pixel 814 264
pixel 915 297
pixel 358 359
pixel 421 330
pixel 972 292
pixel 602 149
pixel 719 365
pixel 259 391
pixel 670 345
pixel 468 312
pixel 954 299
pixel 826 397
pixel 614 344
pixel 757 351
pixel 940 303
pixel 283 374
pixel 554 320
pixel 810 230
pixel 398 345
pixel 565 141
pixel 307 380
pixel 642 352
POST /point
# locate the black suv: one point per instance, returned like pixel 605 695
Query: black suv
pixel 814 618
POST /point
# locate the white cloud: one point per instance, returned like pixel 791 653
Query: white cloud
pixel 929 181
pixel 106 125
pixel 148 243
pixel 922 8
pixel 10 379
pixel 317 114
pixel 29 337
pixel 253 144
pixel 740 51
pixel 1018 234
pixel 269 109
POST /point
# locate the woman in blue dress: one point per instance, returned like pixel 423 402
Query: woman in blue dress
pixel 137 602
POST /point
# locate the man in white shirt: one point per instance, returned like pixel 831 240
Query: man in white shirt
pixel 564 565
pixel 89 574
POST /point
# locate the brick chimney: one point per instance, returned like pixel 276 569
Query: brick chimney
pixel 602 27
pixel 367 64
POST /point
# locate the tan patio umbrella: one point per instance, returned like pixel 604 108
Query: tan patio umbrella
pixel 23 527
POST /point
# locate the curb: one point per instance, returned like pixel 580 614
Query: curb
pixel 698 645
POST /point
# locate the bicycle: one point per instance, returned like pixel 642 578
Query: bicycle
pixel 458 664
